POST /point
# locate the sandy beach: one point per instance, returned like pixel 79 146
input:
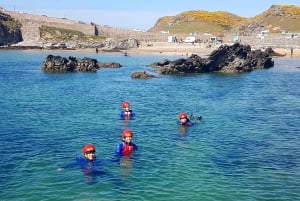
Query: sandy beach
pixel 184 49
pixel 188 49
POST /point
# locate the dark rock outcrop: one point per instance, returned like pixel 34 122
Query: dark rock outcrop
pixel 71 64
pixel 236 58
pixel 10 30
pixel 141 75
pixel 109 65
pixel 272 53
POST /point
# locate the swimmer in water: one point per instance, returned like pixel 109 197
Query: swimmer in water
pixel 88 164
pixel 184 120
pixel 126 147
pixel 126 113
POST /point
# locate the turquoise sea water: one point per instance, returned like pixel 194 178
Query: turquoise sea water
pixel 246 147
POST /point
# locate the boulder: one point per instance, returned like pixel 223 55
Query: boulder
pixel 236 58
pixel 160 64
pixel 71 64
pixel 272 53
pixel 141 75
pixel 109 65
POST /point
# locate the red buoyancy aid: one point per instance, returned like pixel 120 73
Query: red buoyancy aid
pixel 127 114
pixel 127 149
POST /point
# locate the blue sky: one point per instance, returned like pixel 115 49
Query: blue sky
pixel 135 14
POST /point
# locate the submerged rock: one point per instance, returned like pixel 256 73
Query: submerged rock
pixel 236 58
pixel 109 65
pixel 141 75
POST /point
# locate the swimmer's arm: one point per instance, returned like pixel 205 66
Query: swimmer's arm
pixel 78 162
pixel 132 114
pixel 135 147
pixel 119 149
pixel 190 123
pixel 66 166
pixel 60 169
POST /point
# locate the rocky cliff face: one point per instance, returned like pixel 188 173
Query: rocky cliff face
pixel 41 31
pixel 10 30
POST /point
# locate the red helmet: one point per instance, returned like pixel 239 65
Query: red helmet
pixel 88 147
pixel 125 104
pixel 182 115
pixel 127 133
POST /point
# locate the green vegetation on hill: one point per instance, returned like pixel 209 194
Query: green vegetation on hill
pixel 49 33
pixel 277 18
pixel 198 21
pixel 196 27
pixel 220 18
pixel 9 22
pixel 12 24
pixel 290 10
pixel 10 30
pixel 280 18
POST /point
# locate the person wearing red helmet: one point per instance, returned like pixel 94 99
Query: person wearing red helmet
pixel 126 147
pixel 88 157
pixel 90 166
pixel 126 113
pixel 89 152
pixel 184 120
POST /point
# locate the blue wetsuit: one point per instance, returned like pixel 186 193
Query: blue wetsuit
pixel 87 166
pixel 127 115
pixel 187 123
pixel 90 168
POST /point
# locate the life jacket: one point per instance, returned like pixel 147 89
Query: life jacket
pixel 187 123
pixel 183 124
pixel 127 114
pixel 127 149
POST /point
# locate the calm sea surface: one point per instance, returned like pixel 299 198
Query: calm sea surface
pixel 246 147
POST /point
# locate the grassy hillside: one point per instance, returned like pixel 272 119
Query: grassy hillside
pixel 12 24
pixel 49 33
pixel 277 18
pixel 197 21
pixel 9 22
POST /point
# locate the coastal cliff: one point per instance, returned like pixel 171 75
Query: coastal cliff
pixel 10 30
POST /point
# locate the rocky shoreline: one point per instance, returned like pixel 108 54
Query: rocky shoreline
pixel 163 48
pixel 133 46
pixel 236 58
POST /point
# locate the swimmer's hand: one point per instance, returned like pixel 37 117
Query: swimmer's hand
pixel 192 116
